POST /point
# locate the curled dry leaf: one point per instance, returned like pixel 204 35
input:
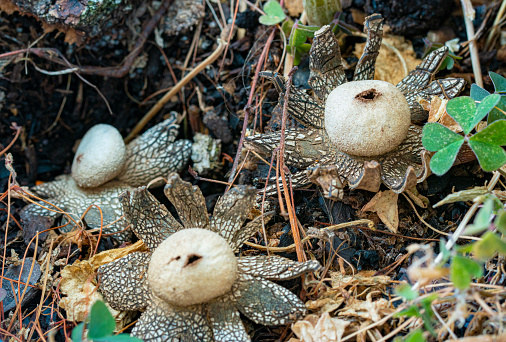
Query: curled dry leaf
pixel 326 302
pixel 368 310
pixel 364 278
pixel 384 203
pixel 322 329
pixel 437 113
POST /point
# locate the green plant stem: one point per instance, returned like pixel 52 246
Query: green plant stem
pixel 470 213
pixel 321 12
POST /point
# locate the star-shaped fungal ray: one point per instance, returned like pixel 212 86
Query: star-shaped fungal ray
pixel 231 211
pixel 275 267
pixel 265 302
pixel 132 292
pixel 155 153
pixel 226 321
pixel 151 221
pixel 325 64
pixel 162 322
pixel 189 202
pixel 366 65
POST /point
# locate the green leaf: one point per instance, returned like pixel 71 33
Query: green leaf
pixel 443 160
pixel 482 219
pixel 490 156
pixel 436 136
pixel 498 112
pixel 478 93
pixel 296 58
pixel 468 248
pixel 77 333
pixel 463 110
pixel 412 311
pixel 445 252
pixel 489 244
pixel 101 321
pixel 309 30
pixel 462 270
pixel 486 105
pixel 499 82
pixel 415 336
pixel 447 64
pixel 500 221
pixel 118 338
pixel 406 292
pixel 304 48
pixel 273 14
pixel 495 133
pixel 297 38
pixel 287 25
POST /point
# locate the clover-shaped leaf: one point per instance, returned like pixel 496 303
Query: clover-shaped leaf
pixel 443 160
pixel 462 270
pixel 478 94
pixel 273 14
pixel 485 144
pixel 436 137
pixel 499 82
pixel 464 111
pixel 489 244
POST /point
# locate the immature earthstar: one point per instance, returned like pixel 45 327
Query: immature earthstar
pixel 363 132
pixel 103 168
pixel 191 285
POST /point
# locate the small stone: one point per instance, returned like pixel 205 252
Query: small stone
pixel 99 157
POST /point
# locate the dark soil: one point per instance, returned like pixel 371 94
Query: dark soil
pixel 55 111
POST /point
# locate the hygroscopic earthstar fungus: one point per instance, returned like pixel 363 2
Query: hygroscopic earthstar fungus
pixel 378 142
pixel 103 168
pixel 190 284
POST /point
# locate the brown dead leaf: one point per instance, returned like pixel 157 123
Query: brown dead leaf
pixel 425 275
pixel 388 66
pixel 384 203
pixel 326 302
pixel 419 199
pixel 322 329
pixel 114 254
pixel 368 309
pixel 363 278
pixel 294 7
pixel 437 113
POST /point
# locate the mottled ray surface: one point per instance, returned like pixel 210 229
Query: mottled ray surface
pixel 64 193
pixel 153 154
pixel 367 62
pixel 310 148
pixel 124 285
pixel 325 64
pixel 132 291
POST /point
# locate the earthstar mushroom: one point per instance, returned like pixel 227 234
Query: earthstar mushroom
pixel 103 168
pixel 194 290
pixel 330 150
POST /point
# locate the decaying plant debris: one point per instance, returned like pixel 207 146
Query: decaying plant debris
pixel 316 260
